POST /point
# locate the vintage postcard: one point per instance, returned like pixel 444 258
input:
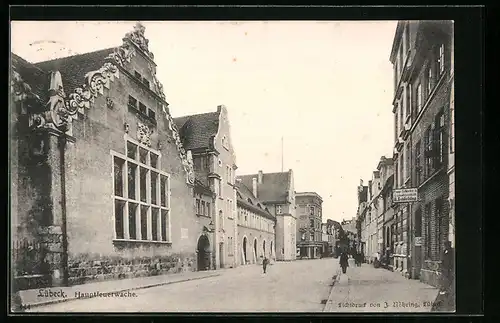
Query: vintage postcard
pixel 232 166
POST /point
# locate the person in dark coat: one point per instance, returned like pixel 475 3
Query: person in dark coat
pixel 447 266
pixel 344 262
pixel 264 264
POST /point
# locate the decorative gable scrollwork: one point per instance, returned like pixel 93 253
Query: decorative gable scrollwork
pixel 62 109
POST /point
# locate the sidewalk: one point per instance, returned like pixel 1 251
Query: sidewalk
pixel 38 297
pixel 366 289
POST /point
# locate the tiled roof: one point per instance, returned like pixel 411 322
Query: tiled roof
pixel 73 68
pixel 35 77
pixel 274 187
pixel 197 130
pixel 246 194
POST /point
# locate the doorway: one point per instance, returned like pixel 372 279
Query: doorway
pixel 255 250
pixel 264 247
pixel 271 250
pixel 221 255
pixel 245 258
pixel 203 253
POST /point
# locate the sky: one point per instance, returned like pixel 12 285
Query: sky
pixel 325 87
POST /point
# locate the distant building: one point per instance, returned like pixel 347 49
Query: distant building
pixel 361 218
pixel 385 167
pixel 421 55
pixel 256 228
pixel 276 191
pixel 309 232
pixel 208 137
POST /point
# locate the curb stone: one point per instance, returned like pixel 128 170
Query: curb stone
pixel 63 300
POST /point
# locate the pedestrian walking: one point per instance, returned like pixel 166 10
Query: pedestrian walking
pixel 264 264
pixel 447 262
pixel 344 262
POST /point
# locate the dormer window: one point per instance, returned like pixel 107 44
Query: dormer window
pixel 151 114
pixel 132 102
pixel 142 108
pixel 145 82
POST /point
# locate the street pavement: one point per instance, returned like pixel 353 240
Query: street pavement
pixel 367 289
pixel 298 286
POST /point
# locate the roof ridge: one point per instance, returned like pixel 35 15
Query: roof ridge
pixel 28 62
pixel 197 114
pixel 75 55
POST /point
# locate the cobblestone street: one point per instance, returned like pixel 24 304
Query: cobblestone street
pixel 297 286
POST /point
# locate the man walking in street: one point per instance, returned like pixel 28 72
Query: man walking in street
pixel 447 260
pixel 264 264
pixel 344 262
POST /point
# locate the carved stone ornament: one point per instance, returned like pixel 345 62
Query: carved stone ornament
pixel 138 38
pixel 19 89
pixel 143 134
pixel 109 103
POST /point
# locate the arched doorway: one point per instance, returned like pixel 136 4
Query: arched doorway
pixel 264 248
pixel 271 250
pixel 203 253
pixel 245 257
pixel 255 250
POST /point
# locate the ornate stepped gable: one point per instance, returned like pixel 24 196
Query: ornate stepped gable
pixel 62 109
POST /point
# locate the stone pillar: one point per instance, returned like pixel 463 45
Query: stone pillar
pixel 54 235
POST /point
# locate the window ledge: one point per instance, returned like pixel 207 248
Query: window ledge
pixel 140 241
pixel 203 216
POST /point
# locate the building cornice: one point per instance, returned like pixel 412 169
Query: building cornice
pixel 397 40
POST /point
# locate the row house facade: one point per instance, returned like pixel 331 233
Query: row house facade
pixel 256 228
pixel 329 235
pixel 208 137
pixel 310 219
pixel 102 185
pixel 372 222
pixel 276 191
pixel 421 56
pixel 385 167
pixel 362 193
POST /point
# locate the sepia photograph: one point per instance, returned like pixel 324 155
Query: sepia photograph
pixel 232 166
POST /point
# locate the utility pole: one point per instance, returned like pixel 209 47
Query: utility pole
pixel 282 154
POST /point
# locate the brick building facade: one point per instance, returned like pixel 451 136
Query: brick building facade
pixel 309 218
pixel 421 56
pixel 102 185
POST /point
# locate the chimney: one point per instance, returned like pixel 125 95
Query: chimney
pixel 260 176
pixel 254 186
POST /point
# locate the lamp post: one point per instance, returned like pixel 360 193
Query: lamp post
pixel 211 229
